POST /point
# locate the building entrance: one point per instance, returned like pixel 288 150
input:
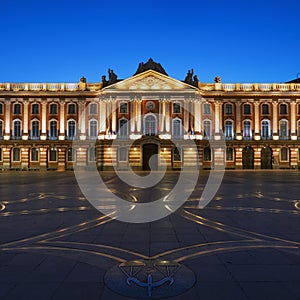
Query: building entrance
pixel 266 158
pixel 248 158
pixel 148 151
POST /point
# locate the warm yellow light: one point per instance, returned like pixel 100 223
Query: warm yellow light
pixel 134 148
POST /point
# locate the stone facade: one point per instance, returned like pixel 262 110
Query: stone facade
pixel 123 122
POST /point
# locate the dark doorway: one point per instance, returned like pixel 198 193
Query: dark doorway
pixel 266 158
pixel 148 151
pixel 248 158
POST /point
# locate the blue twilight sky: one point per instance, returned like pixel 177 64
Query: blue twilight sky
pixel 60 41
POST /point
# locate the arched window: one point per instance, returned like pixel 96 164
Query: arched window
pixel 35 108
pixel 265 109
pixel 71 109
pixel 123 128
pixel 16 154
pixel 247 132
pixel 34 154
pixel 228 129
pixel 247 109
pixel 150 126
pixel 207 129
pixel 228 109
pixel 176 128
pixel 283 109
pixel 265 129
pixel 17 108
pixel 53 109
pixel 229 154
pixel 35 129
pixel 1 108
pixel 53 129
pixel 71 129
pixel 93 128
pixel 16 129
pixel 283 129
pixel 1 129
pixel 207 154
pixel 93 108
pixel 284 154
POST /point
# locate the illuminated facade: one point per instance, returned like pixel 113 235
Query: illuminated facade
pixel 124 122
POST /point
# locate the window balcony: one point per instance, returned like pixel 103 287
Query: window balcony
pixel 16 137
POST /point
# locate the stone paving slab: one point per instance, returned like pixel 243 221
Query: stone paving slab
pixel 243 245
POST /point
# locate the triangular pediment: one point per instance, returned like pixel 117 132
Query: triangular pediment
pixel 150 81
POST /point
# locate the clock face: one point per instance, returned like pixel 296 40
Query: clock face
pixel 150 105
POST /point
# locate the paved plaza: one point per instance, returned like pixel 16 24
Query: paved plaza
pixel 243 245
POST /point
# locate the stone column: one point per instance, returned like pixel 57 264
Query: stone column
pixel 108 115
pixel 81 120
pixel 44 120
pixel 62 120
pixel 197 117
pixel 217 118
pixel 132 115
pixel 102 116
pixel 293 120
pixel 162 111
pixel 238 120
pixel 114 116
pixel 25 119
pixel 167 118
pixel 139 117
pixel 7 119
pixel 186 116
pixel 256 121
pixel 275 120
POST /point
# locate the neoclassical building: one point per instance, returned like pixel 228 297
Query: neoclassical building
pixel 122 123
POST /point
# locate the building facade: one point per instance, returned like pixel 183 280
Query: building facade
pixel 122 123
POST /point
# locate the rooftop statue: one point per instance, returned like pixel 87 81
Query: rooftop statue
pixel 150 65
pixel 191 78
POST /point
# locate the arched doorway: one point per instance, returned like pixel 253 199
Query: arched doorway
pixel 266 158
pixel 148 151
pixel 248 158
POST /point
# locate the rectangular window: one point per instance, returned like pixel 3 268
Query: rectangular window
pixel 123 108
pixel 298 109
pixel 177 154
pixel 0 154
pixel 35 109
pixel 71 154
pixel 93 108
pixel 228 109
pixel 229 154
pixel 1 108
pixel 34 154
pixel 176 108
pixel 123 154
pixel 284 154
pixel 206 108
pixel 16 154
pixel 52 154
pixel 92 154
pixel 265 109
pixel 71 109
pixel 53 109
pixel 247 109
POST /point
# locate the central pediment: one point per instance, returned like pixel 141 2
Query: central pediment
pixel 150 80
